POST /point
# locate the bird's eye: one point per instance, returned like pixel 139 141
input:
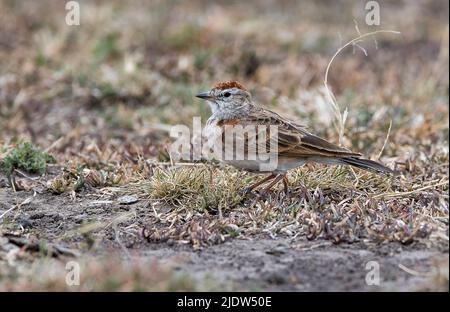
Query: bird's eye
pixel 226 94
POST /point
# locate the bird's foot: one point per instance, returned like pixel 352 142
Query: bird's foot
pixel 263 193
pixel 247 191
pixel 287 193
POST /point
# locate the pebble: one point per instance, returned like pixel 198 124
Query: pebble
pixel 128 199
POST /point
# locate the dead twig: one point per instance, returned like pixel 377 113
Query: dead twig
pixel 414 272
pixel 38 246
pixel 401 194
pixel 385 140
pixel 25 202
pixel 341 118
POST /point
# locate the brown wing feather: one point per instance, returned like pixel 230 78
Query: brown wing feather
pixel 293 139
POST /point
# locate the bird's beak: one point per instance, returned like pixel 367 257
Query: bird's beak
pixel 204 95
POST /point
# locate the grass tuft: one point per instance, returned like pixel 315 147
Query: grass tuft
pixel 198 189
pixel 26 157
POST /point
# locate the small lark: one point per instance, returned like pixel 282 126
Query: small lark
pixel 232 106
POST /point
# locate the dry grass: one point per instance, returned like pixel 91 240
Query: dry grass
pixel 203 205
pixel 136 275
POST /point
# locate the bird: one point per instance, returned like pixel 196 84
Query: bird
pixel 293 145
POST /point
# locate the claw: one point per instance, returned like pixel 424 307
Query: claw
pixel 246 191
pixel 262 194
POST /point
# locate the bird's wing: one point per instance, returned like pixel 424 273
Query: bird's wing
pixel 292 139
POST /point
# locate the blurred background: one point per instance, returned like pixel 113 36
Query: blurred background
pixel 130 69
pixel 100 98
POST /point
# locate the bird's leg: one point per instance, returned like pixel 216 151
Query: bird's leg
pixel 285 185
pixel 277 179
pixel 251 187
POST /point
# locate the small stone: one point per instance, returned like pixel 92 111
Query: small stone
pixel 128 199
pixel 232 227
pixel 276 251
pixel 37 215
pixel 25 223
pixel 99 203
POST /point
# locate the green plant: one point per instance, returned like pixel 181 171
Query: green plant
pixel 107 47
pixel 27 157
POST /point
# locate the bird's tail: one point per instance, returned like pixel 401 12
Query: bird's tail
pixel 368 165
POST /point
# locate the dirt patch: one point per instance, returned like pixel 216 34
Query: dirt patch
pixel 299 265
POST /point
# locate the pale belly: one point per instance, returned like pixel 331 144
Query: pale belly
pixel 276 166
pixel 242 158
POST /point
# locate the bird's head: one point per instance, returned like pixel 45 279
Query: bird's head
pixel 226 96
